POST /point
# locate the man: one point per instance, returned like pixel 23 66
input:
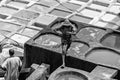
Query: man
pixel 66 30
pixel 4 52
pixel 12 66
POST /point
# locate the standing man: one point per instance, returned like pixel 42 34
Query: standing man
pixel 66 30
pixel 12 66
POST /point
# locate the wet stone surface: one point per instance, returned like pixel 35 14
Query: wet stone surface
pixel 27 15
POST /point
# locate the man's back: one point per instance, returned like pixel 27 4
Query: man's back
pixel 12 66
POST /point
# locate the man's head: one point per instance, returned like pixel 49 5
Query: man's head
pixel 11 52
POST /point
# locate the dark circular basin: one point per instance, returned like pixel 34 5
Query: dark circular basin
pixel 111 40
pixel 67 73
pixel 70 75
pixel 104 56
pixel 49 41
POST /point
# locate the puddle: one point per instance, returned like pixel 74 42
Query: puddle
pixel 29 32
pixel 27 15
pixel 17 4
pixel 39 8
pixel 111 40
pixel 90 13
pixel 80 18
pixel 68 6
pixel 90 34
pixel 60 13
pixel 98 5
pixel 103 57
pixel 7 10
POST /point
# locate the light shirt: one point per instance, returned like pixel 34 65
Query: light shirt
pixel 12 65
pixel 5 52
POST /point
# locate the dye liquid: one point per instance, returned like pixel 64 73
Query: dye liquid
pixel 90 34
pixel 112 41
pixel 104 57
pixel 77 49
pixel 50 41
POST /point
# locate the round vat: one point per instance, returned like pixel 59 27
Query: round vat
pixel 111 40
pixel 68 74
pixel 49 41
pixel 104 56
pixel 77 48
pixel 90 34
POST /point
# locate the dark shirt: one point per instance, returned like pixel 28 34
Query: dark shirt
pixel 65 34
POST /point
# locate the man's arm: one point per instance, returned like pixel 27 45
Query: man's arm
pixel 3 68
pixel 20 65
pixel 4 65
